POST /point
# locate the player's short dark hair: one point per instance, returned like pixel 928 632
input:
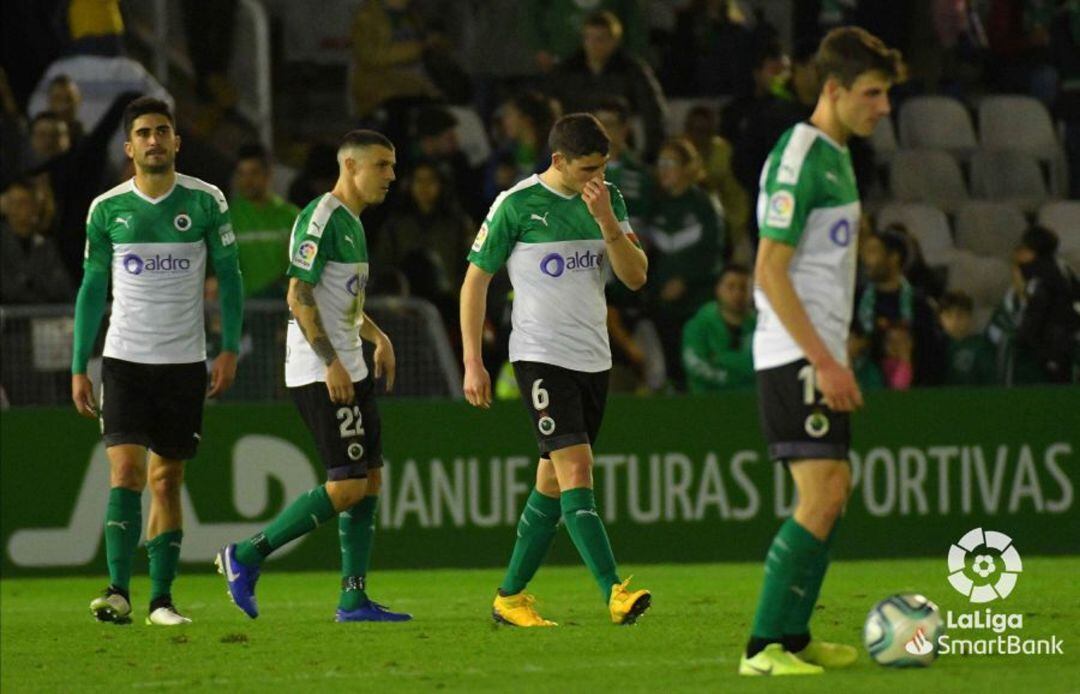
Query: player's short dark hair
pixel 956 301
pixel 365 138
pixel 578 135
pixel 894 242
pixel 254 150
pixel 143 106
pixel 733 269
pixel 45 115
pixel 1041 240
pixel 613 103
pixel 603 19
pixel 847 52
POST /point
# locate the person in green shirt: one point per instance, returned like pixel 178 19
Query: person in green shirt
pixel 624 169
pixel 718 341
pixel 262 222
pixel 685 232
pixel 971 358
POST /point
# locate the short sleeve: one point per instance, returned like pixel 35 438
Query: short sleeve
pixel 98 253
pixel 306 257
pixel 785 201
pixel 496 237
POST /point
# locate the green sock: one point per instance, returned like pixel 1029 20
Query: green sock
pixel 797 619
pixel 587 531
pixel 123 526
pixel 164 551
pixel 301 517
pixel 356 533
pixel 792 552
pixel 536 529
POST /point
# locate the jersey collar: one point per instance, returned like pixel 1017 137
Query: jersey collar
pixel 564 196
pixel 823 136
pixel 147 198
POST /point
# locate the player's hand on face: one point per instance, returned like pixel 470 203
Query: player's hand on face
pixel 597 198
pixel 82 394
pixel 222 374
pixel 385 361
pixel 477 386
pixel 339 384
pixel 838 387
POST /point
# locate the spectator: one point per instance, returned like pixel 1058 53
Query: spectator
pixel 427 239
pixel 388 44
pixel 316 176
pixel 769 67
pixel 685 233
pixel 49 138
pixel 552 27
pixel 1048 328
pixel 928 280
pixel 624 169
pixel 32 271
pixel 896 360
pixel 1016 365
pixel 64 98
pixel 13 149
pixel 709 49
pixel 717 343
pixel 866 370
pixel 603 68
pixel 435 142
pixel 262 222
pixel 888 300
pixel 970 354
pixel 526 120
pixel 1021 56
pixel 96 27
pixel 700 128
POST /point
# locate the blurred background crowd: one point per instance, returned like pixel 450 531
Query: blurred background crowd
pixel 969 245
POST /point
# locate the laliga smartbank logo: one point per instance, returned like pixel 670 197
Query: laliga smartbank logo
pixel 984 566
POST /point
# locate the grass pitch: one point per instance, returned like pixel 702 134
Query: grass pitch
pixel 689 641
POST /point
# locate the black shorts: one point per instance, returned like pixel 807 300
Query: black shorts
pixel 348 437
pixel 797 424
pixel 566 406
pixel 159 406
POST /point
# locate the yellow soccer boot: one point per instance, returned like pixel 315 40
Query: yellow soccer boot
pixel 774 660
pixel 627 605
pixel 517 610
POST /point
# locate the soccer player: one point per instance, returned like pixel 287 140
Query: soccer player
pixel 153 233
pixel 808 213
pixel 557 232
pixel 329 381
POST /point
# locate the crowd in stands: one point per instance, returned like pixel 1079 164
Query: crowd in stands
pixel 971 237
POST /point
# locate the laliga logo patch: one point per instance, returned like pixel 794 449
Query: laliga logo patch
pixel 546 425
pixel 355 451
pixel 781 209
pixel 305 254
pixel 182 222
pixel 817 425
pixel 481 236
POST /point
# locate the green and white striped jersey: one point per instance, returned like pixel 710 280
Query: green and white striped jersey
pixel 156 250
pixel 809 200
pixel 329 250
pixel 554 252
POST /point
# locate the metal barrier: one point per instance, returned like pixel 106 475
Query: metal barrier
pixel 36 344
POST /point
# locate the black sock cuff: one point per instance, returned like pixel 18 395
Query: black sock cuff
pixel 793 643
pixel 757 644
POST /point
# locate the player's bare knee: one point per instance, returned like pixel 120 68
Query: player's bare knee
pixel 127 475
pixel 374 482
pixel 165 482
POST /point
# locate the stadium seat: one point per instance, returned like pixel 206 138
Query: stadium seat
pixel 929 176
pixel 1006 175
pixel 985 279
pixel 926 223
pixel 1012 121
pixel 989 228
pixel 471 134
pixel 1063 217
pixel 937 122
pixel 883 141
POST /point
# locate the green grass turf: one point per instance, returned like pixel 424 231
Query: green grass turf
pixel 689 641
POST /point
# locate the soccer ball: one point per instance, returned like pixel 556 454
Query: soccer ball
pixel 903 631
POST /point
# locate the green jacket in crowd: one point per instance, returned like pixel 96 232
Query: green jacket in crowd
pixel 714 358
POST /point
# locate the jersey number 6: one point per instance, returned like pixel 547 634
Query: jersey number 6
pixel 540 397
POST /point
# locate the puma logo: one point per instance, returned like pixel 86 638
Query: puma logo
pixel 539 218
pixel 122 220
pixel 351 242
pixel 119 524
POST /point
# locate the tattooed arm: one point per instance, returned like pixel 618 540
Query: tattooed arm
pixel 301 300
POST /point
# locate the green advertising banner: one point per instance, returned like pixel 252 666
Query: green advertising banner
pixel 682 479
